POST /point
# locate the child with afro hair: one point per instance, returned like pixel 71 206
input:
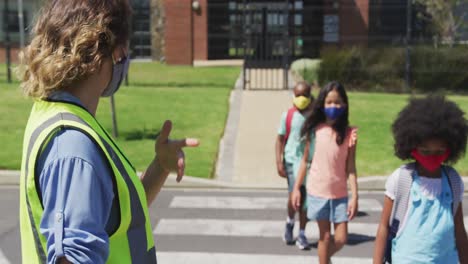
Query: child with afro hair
pixel 422 218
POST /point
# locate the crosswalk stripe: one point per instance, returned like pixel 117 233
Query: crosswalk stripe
pixel 239 202
pixel 3 259
pixel 228 202
pixel 225 258
pixel 369 205
pixel 244 228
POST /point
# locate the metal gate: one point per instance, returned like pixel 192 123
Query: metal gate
pixel 266 45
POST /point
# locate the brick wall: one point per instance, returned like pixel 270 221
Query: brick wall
pixel 178 32
pixel 200 26
pixel 354 22
pixel 14 54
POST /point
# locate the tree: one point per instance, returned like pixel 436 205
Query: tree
pixel 446 17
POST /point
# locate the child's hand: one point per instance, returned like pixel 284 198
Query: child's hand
pixel 353 137
pixel 280 168
pixel 296 199
pixel 352 209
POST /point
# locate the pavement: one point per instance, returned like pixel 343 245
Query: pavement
pixel 223 226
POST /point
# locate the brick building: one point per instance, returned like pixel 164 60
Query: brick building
pixel 186 31
pixel 215 29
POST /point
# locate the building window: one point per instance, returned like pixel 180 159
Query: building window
pixel 140 40
pixel 225 29
pixel 11 21
pixel 230 22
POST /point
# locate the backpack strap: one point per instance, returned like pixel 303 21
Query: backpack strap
pixel 402 190
pixel 454 180
pixel 402 195
pixel 289 117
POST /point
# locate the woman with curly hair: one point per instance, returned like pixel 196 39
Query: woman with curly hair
pixel 422 218
pixel 81 200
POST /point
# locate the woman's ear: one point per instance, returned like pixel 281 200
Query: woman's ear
pixel 119 53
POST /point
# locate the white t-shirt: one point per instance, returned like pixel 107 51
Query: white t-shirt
pixel 430 188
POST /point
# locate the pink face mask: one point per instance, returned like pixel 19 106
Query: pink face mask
pixel 430 162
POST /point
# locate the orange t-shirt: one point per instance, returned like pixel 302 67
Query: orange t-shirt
pixel 327 176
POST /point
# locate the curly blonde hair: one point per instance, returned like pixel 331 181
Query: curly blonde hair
pixel 70 40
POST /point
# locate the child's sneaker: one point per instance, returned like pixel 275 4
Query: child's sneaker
pixel 302 242
pixel 288 234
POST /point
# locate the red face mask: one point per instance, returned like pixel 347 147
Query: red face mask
pixel 430 162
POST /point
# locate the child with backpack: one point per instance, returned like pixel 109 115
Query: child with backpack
pixel 333 164
pixel 422 218
pixel 289 151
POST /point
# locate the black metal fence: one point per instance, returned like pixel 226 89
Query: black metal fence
pixel 266 45
pixel 267 35
pixel 391 49
pixel 229 20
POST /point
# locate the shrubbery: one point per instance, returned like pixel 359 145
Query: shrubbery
pixel 383 69
pixel 442 68
pixel 307 69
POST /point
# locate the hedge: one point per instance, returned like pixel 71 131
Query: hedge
pixel 383 69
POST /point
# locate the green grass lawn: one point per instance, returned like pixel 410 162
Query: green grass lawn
pixel 373 114
pixel 195 99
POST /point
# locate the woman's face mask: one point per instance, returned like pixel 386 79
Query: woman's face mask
pixel 119 71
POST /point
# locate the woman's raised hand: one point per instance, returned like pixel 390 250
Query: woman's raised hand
pixel 169 152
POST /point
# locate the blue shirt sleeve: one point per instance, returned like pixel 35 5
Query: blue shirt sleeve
pixel 77 195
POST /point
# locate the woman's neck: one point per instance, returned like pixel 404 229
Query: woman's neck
pixel 88 101
pixel 89 90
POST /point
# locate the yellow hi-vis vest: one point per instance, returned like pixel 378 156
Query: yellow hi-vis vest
pixel 132 242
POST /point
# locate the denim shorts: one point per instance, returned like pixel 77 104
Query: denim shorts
pixel 333 210
pixel 289 168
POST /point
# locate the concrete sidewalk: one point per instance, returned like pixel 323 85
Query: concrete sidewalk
pixel 247 150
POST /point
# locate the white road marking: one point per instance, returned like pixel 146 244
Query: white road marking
pixel 245 228
pixel 228 202
pixel 3 259
pixel 240 202
pixel 225 258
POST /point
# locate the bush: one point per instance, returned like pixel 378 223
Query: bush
pixel 307 69
pixel 442 68
pixel 383 68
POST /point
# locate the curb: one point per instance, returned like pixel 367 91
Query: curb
pixel 224 170
pixel 369 183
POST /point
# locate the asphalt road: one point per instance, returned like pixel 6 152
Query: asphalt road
pixel 222 226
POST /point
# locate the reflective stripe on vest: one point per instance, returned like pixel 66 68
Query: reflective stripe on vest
pixel 133 237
